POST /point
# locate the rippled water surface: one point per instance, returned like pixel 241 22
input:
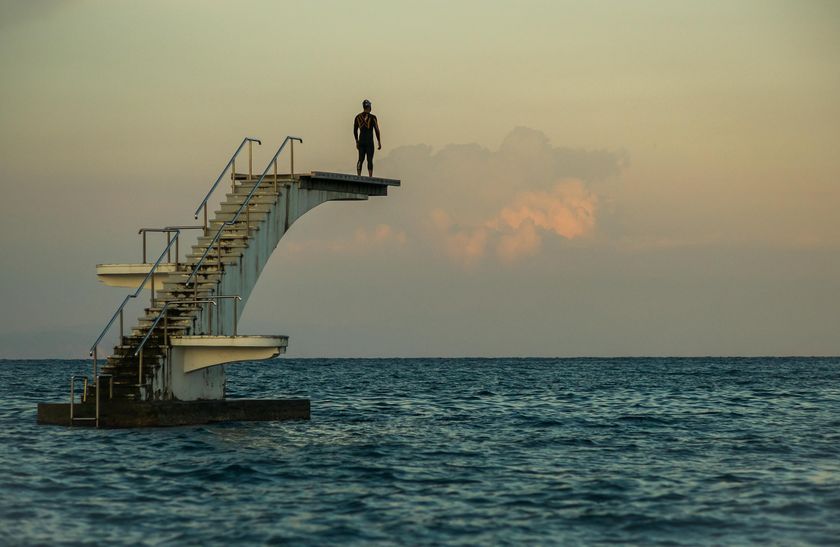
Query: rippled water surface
pixel 456 451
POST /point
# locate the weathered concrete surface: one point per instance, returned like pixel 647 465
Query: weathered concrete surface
pixel 194 371
pixel 131 275
pixel 198 352
pixel 295 197
pixel 230 268
pixel 174 413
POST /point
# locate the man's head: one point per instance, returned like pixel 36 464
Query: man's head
pixel 366 105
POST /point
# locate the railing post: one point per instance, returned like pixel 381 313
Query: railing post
pixel 144 246
pixel 233 170
pixel 72 396
pixel 121 326
pixel 250 159
pixel 292 156
pixel 177 244
pixel 153 289
pixel 97 401
pixel 205 219
pixel 169 246
pixel 275 180
pixel 234 317
pixel 84 389
pixel 95 350
pixel 165 327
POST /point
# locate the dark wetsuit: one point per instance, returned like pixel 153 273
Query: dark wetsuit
pixel 366 124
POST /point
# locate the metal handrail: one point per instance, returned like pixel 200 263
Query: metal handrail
pixel 238 211
pixel 96 416
pixel 73 397
pixel 144 231
pixel 236 298
pixel 230 163
pixel 212 300
pixel 161 314
pixel 168 231
pixel 119 311
pixel 177 230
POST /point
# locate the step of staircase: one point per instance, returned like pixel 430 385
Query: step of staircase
pixel 260 197
pixel 239 227
pixel 256 208
pixel 227 216
pixel 226 243
pixel 213 258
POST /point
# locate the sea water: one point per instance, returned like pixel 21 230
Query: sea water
pixel 445 451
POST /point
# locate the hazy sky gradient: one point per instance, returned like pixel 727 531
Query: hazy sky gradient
pixel 610 178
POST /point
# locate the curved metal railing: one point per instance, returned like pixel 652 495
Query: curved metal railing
pixel 167 251
pixel 119 312
pixel 230 164
pixel 168 230
pixel 211 300
pixel 163 313
pixel 245 203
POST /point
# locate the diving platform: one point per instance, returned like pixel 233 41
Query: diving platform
pixel 339 182
pixel 130 276
pixel 198 352
pixel 169 368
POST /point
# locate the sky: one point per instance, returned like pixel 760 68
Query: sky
pixel 578 178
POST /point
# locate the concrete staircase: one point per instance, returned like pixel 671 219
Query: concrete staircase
pixel 129 382
pixel 227 265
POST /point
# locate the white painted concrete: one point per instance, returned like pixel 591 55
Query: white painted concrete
pixel 292 203
pixel 131 275
pixel 194 371
pixel 200 352
pixel 204 384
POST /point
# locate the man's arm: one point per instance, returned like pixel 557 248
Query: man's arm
pixel 356 130
pixel 376 129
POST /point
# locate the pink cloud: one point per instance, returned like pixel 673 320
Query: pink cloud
pixel 568 210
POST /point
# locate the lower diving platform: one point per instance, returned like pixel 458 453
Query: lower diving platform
pixel 130 276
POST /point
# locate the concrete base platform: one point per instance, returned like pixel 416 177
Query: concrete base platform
pixel 173 413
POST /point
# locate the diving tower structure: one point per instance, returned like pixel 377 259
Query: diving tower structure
pixel 168 369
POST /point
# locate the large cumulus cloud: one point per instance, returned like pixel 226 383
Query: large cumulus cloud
pixel 472 204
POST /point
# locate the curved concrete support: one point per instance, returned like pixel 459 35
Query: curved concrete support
pixel 198 352
pixel 297 196
pixel 194 373
pixel 131 275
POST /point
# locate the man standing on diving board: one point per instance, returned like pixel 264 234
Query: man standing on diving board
pixel 363 128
